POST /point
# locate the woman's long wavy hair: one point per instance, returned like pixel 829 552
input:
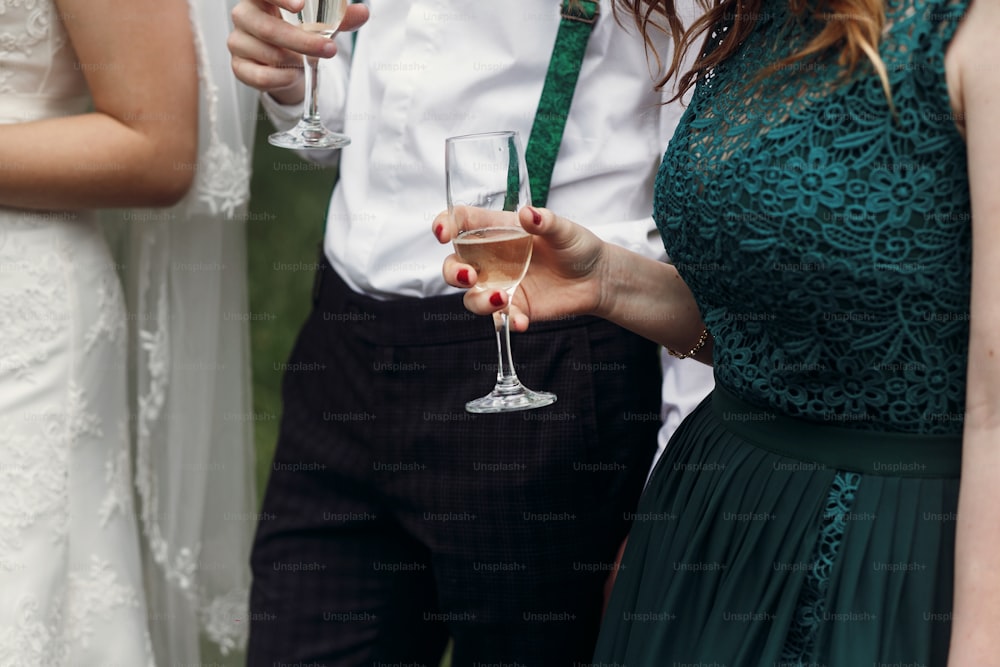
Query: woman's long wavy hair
pixel 852 26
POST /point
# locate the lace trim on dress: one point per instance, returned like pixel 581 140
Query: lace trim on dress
pixel 800 643
pixel 223 178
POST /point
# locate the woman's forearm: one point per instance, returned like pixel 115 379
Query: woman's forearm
pixel 94 160
pixel 651 299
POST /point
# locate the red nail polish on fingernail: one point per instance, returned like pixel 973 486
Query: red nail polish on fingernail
pixel 463 276
pixel 536 217
pixel 438 230
pixel 496 299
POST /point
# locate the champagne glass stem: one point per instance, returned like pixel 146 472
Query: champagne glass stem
pixel 311 101
pixel 506 375
pixel 309 132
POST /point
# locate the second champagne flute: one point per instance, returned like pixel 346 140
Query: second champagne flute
pixel 322 17
pixel 487 171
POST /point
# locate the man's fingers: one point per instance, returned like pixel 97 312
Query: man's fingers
pixel 263 21
pixel 246 46
pixel 263 77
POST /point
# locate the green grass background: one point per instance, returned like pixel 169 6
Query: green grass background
pixel 288 202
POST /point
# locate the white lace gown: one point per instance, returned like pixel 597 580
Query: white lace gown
pixel 70 581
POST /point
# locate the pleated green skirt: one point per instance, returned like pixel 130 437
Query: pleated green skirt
pixel 762 540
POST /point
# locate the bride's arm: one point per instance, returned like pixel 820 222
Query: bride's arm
pixel 138 146
pixel 975 640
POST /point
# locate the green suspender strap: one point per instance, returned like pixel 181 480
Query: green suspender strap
pixel 578 19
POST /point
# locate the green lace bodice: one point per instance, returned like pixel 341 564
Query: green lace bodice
pixel 826 241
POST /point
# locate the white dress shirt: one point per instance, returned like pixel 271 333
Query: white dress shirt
pixel 424 70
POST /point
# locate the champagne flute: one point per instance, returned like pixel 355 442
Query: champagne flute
pixel 323 17
pixel 488 171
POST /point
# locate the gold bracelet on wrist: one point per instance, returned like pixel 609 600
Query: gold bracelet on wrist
pixel 694 350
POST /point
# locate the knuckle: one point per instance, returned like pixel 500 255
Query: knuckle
pixel 281 59
pixel 266 30
pixel 232 43
pixel 239 71
pixel 251 75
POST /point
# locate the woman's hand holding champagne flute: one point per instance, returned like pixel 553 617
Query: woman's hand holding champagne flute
pixel 564 278
pixel 495 232
pixel 486 185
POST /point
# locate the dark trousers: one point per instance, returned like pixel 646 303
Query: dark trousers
pixel 393 519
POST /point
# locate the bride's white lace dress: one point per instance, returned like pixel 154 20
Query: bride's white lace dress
pixel 74 506
pixel 71 589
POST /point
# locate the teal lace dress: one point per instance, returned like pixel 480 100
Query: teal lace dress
pixel 805 513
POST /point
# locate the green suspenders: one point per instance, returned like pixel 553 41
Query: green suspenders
pixel 578 19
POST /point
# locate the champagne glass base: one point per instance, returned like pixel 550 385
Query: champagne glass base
pixel 508 400
pixel 305 137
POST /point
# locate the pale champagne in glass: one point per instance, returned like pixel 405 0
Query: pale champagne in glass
pixel 500 255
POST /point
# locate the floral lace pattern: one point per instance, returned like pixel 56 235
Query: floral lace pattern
pixel 93 595
pixel 34 65
pixel 826 237
pixel 110 324
pixel 68 559
pixel 69 562
pixel 34 467
pixel 223 179
pixel 811 611
pixel 31 641
pixel 33 314
pixel 117 480
pixel 37 19
pixel 223 182
pixel 226 621
pixel 33 476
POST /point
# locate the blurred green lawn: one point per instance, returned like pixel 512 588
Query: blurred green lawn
pixel 288 202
